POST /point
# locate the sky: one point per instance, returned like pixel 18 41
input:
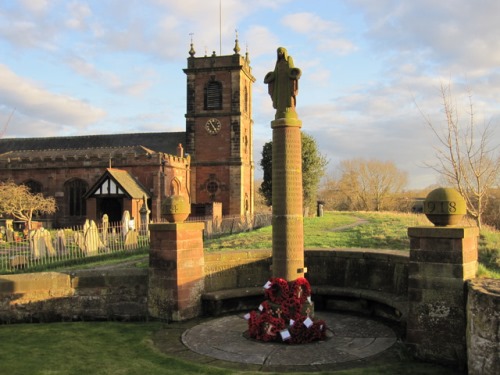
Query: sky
pixel 372 71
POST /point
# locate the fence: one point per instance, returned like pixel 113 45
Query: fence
pixel 43 248
pixel 216 227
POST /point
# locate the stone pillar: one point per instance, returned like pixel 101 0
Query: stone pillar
pixel 176 271
pixel 483 327
pixel 441 260
pixel 288 225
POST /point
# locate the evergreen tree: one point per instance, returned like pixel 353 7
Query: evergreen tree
pixel 313 169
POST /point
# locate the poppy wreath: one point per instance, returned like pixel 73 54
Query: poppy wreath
pixel 278 290
pixel 301 289
pixel 300 334
pixel 287 305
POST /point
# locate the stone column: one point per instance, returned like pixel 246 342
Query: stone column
pixel 176 271
pixel 441 260
pixel 288 225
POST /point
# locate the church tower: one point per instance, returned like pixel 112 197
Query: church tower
pixel 219 130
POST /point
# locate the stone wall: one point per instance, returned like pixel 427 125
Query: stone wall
pixel 84 295
pixel 237 269
pixel 379 270
pixel 483 327
pixel 373 282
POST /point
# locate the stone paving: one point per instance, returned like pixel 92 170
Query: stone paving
pixel 352 340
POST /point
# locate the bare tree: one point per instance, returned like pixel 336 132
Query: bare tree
pixel 369 184
pixel 19 202
pixel 464 156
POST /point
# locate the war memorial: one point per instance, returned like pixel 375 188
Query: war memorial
pixel 288 308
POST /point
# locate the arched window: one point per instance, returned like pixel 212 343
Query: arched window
pixel 213 95
pixel 74 191
pixel 34 186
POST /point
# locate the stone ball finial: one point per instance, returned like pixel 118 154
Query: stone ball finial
pixel 175 208
pixel 444 207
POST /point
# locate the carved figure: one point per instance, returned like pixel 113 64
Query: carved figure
pixel 283 85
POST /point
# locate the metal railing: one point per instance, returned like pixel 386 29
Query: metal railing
pixel 216 227
pixel 42 249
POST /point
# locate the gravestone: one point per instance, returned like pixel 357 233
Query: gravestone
pixel 144 212
pixel 131 239
pixel 41 243
pixel 79 240
pixel 61 242
pixel 105 228
pixel 9 231
pixel 125 223
pixel 92 241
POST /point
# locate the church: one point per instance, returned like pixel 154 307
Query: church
pixel 211 163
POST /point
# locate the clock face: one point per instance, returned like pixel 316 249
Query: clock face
pixel 213 126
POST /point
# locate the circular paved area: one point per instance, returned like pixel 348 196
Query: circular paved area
pixel 351 338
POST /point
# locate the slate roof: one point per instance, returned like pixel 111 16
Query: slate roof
pixel 129 184
pixel 159 142
pixel 102 152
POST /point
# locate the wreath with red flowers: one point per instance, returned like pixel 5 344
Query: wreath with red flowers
pixel 278 290
pixel 288 307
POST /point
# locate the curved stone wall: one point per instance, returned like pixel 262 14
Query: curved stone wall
pixel 483 327
pixel 83 295
pixel 358 280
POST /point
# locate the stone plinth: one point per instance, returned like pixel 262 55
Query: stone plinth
pixel 176 271
pixel 288 231
pixel 441 260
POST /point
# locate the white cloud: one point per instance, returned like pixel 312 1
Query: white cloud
pixel 33 101
pixel 77 14
pixel 309 23
pixel 36 6
pixel 111 80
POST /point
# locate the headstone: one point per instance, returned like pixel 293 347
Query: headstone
pixel 105 228
pixel 61 242
pixel 9 230
pixel 131 240
pixel 79 240
pixel 41 243
pixel 92 241
pixel 144 212
pixel 125 222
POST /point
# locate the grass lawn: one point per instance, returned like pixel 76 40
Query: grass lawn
pixel 114 348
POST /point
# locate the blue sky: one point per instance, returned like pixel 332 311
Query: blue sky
pixel 114 66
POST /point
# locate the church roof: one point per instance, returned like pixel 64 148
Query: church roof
pixel 101 152
pixel 159 142
pixel 117 182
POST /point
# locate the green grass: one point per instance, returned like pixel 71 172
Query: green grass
pixel 112 348
pixel 379 231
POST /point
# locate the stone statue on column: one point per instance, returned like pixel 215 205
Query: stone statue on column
pixel 283 85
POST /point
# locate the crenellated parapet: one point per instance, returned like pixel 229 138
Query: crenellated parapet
pixel 97 157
